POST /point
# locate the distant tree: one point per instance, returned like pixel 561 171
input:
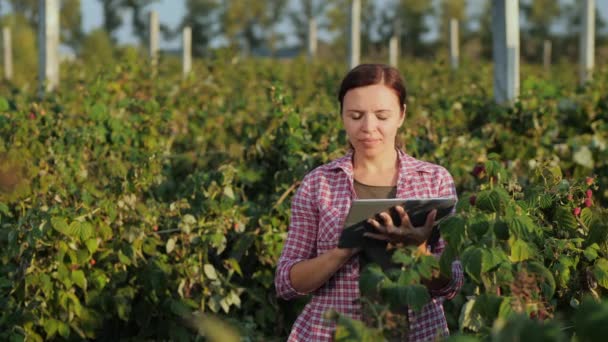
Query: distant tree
pixel 25 51
pixel 485 30
pixel 451 9
pixel 70 20
pixel 112 18
pixel 251 24
pixel 70 23
pixel 97 48
pixel 569 42
pixel 299 18
pixel 338 21
pixel 201 16
pixel 408 19
pixel 28 9
pixel 140 18
pixel 538 17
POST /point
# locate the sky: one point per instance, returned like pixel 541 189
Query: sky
pixel 170 13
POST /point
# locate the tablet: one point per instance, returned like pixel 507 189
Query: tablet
pixel 362 209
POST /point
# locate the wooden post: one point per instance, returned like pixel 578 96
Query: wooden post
pixel 48 42
pixel 355 34
pixel 312 38
pixel 587 44
pixel 8 53
pixel 393 51
pixel 547 55
pixel 454 51
pixel 187 50
pixel 505 35
pixel 154 38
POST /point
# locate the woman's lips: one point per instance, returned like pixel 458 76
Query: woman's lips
pixel 369 142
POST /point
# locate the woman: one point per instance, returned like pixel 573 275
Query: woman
pixel 373 104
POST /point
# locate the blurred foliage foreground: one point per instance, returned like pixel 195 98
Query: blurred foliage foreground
pixel 138 205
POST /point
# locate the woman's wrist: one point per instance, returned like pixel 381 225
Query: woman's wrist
pixel 344 253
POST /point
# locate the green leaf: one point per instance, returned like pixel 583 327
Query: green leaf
pixel 4 209
pixel 79 279
pixel 228 192
pixel 501 230
pixel 565 219
pixel 590 321
pixel 492 200
pixel 506 308
pixel 85 231
pixel 471 261
pixel 591 252
pixel 453 231
pixel 583 157
pixel 445 261
pixel 235 266
pixel 371 279
pixel 522 227
pixel 92 245
pixel 587 217
pixel 546 277
pixel 63 329
pixel 170 245
pixel 492 258
pixel 74 229
pixel 469 318
pixel 521 251
pixel 598 233
pixel 4 106
pixel 563 273
pixel 210 271
pixel 478 228
pixel 348 329
pixel 60 224
pixel 99 112
pixel 50 327
pixel 600 271
pixel 417 296
pixel 488 306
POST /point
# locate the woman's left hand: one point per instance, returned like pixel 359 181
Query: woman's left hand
pixel 406 232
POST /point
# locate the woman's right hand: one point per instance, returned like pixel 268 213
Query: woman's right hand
pixel 308 275
pixel 346 253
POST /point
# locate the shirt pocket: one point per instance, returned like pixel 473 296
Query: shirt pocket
pixel 329 228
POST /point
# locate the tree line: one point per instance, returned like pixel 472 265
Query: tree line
pixel 252 26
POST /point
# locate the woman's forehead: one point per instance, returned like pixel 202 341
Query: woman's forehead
pixel 374 95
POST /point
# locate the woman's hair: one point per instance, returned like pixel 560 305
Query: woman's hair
pixel 370 74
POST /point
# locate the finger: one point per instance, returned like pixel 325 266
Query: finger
pixel 377 225
pixel 430 218
pixel 406 224
pixel 388 220
pixel 382 237
pixel 402 214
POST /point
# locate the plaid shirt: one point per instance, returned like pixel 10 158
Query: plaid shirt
pixel 318 211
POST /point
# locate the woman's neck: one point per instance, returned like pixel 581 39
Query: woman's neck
pixel 380 169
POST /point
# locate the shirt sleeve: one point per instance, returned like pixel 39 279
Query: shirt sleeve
pixel 301 239
pixel 447 188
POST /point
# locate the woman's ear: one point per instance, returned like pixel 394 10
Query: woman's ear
pixel 402 115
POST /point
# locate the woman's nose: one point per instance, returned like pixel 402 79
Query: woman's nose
pixel 368 123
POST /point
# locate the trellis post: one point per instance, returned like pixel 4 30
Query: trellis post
pixel 48 43
pixel 505 35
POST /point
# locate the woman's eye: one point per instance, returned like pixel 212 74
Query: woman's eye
pixel 356 116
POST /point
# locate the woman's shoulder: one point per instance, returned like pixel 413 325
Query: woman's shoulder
pixel 329 170
pixel 410 164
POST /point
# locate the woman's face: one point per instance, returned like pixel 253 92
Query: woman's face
pixel 372 115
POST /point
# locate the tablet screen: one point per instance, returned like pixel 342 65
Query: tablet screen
pixel 362 209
